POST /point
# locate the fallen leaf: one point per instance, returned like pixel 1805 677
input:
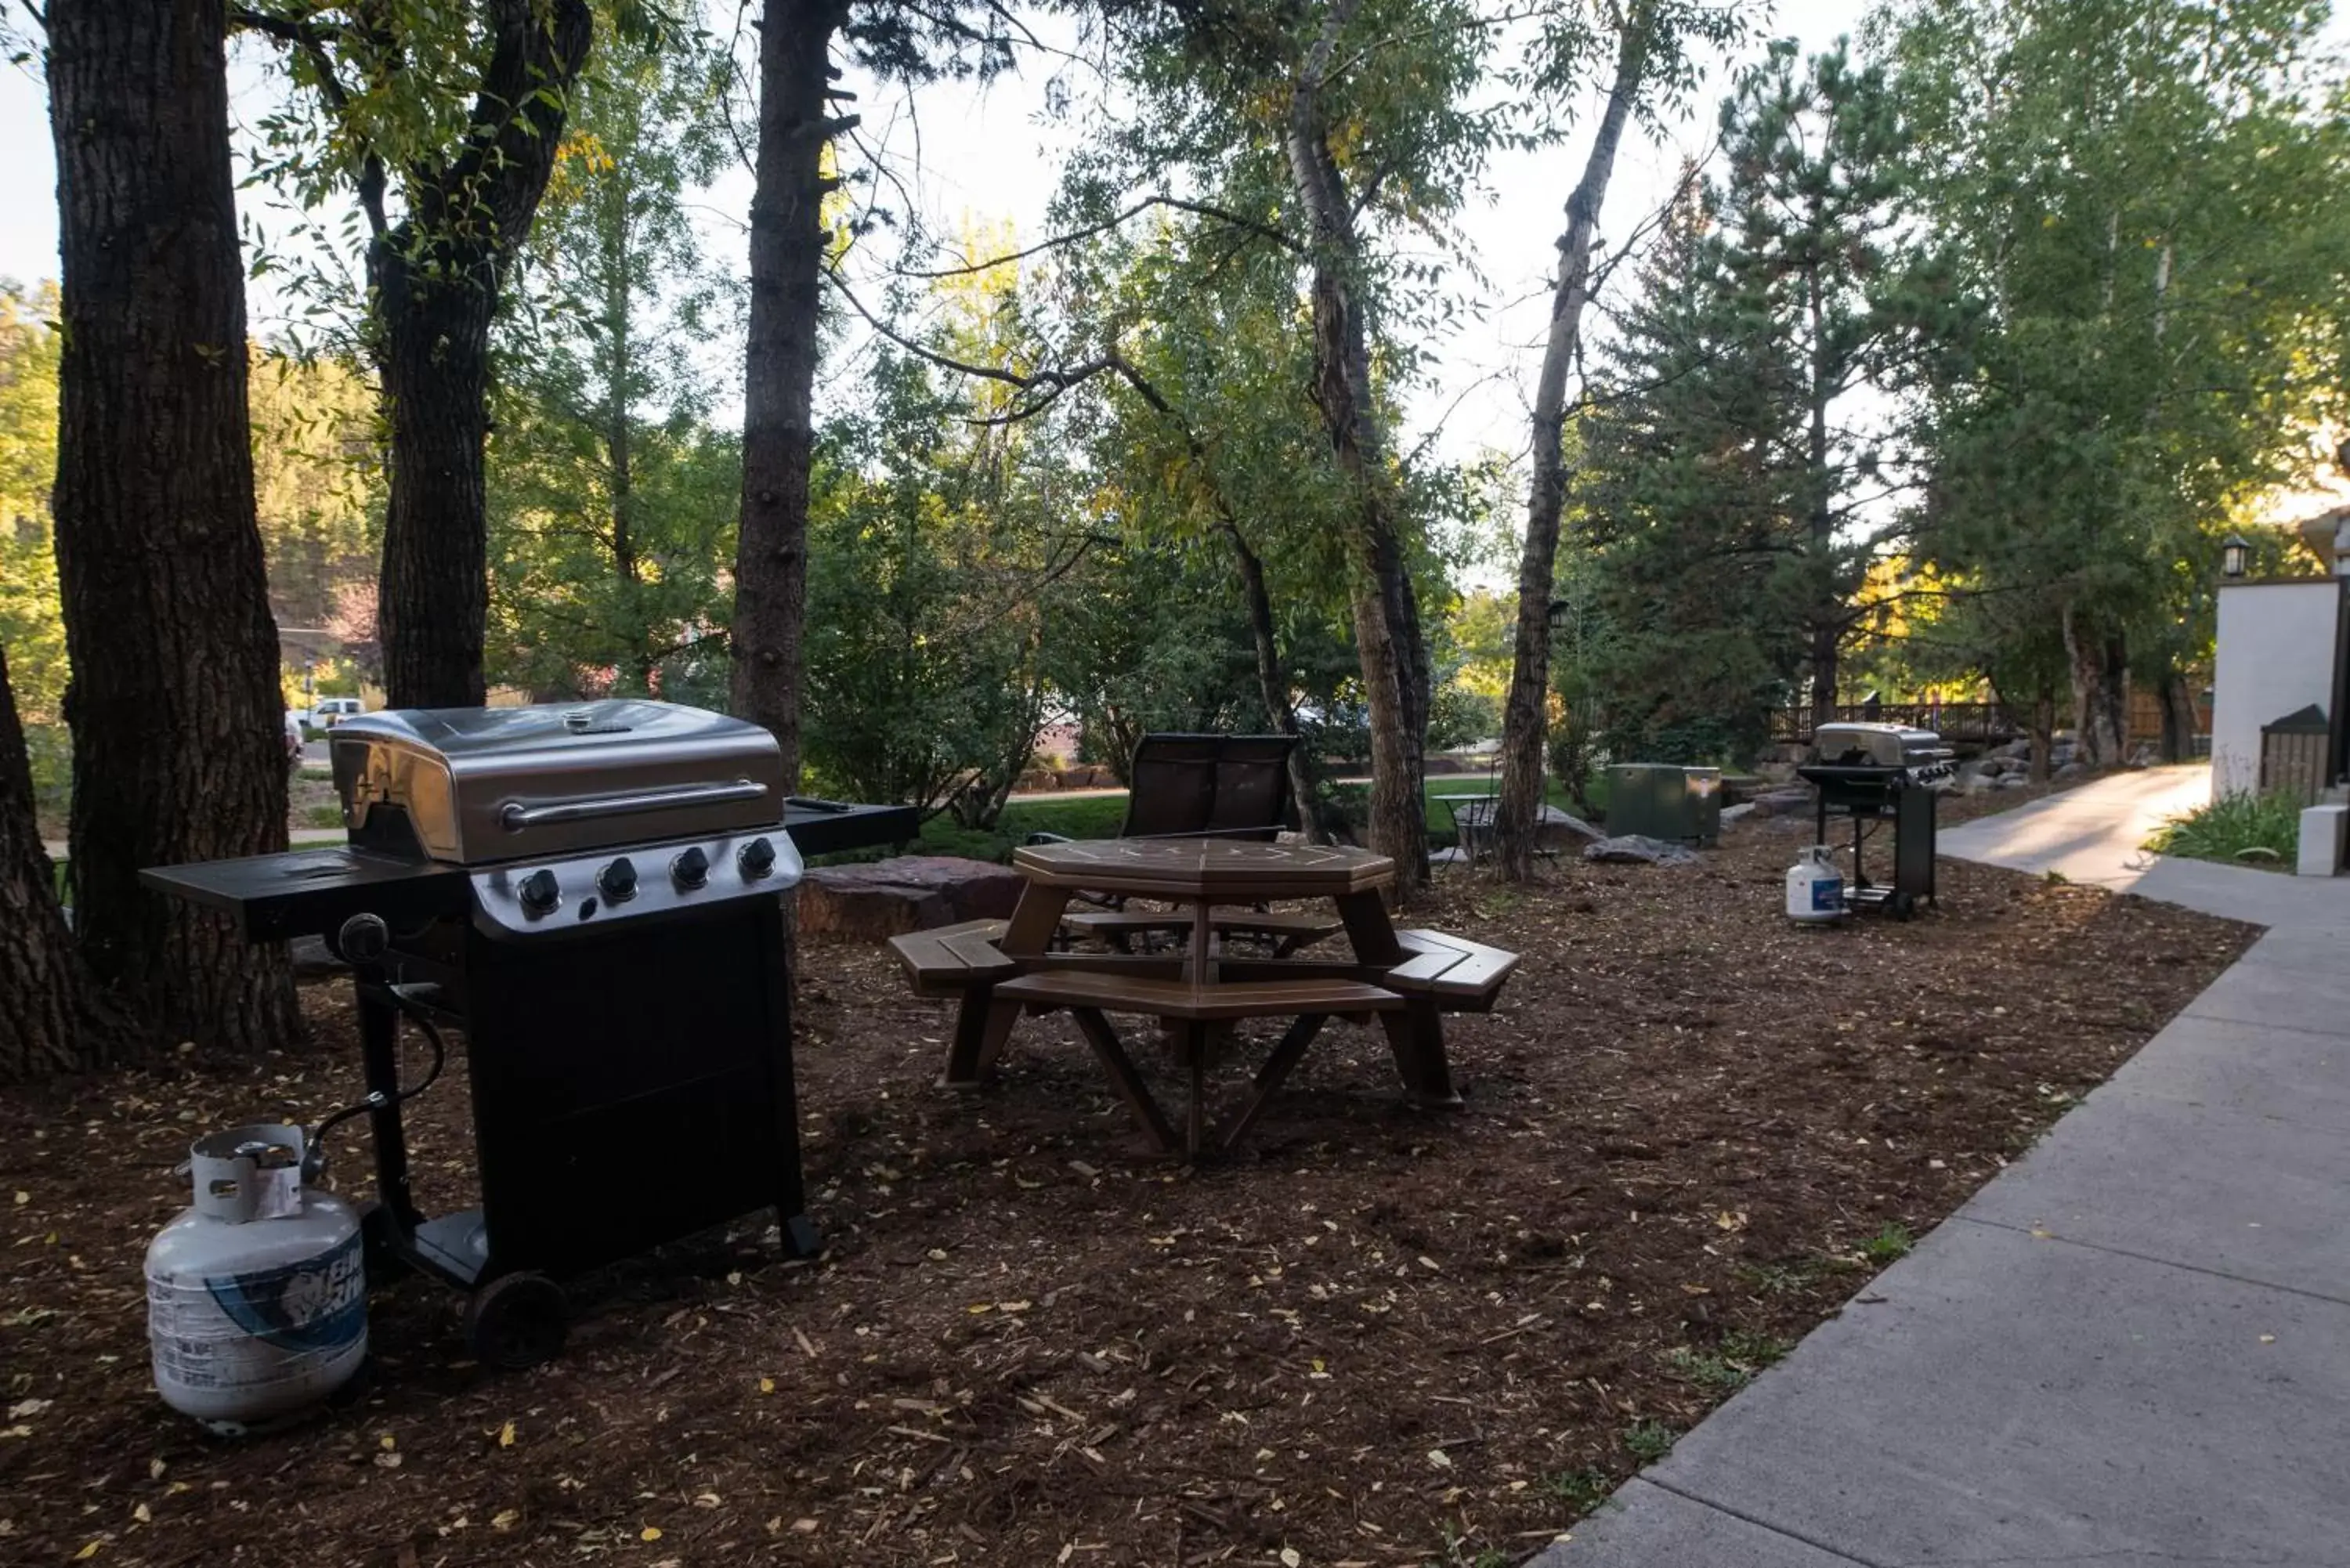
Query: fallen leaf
pixel 1289 1557
pixel 766 1386
pixel 1439 1459
pixel 650 1532
pixel 89 1552
pixel 506 1436
pixel 504 1518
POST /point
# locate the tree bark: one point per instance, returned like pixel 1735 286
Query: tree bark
pixel 177 722
pixel 436 276
pixel 53 1018
pixel 2099 661
pixel 788 245
pixel 1388 641
pixel 1526 711
pixel 2179 719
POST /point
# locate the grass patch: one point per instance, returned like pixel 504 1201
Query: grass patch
pixel 322 817
pixel 1649 1441
pixel 2257 830
pixel 1890 1245
pixel 1731 1364
pixel 1581 1491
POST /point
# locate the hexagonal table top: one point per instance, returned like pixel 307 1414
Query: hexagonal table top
pixel 1205 867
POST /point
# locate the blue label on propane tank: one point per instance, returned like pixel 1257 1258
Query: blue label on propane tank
pixel 1827 895
pixel 317 1305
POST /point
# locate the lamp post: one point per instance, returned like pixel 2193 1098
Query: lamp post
pixel 2235 553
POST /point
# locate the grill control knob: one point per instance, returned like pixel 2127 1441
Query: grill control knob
pixel 692 868
pixel 618 881
pixel 541 892
pixel 757 858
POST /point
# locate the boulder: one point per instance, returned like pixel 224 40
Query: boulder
pixel 313 959
pixel 2013 780
pixel 1795 802
pixel 880 899
pixel 2071 771
pixel 1567 822
pixel 1638 849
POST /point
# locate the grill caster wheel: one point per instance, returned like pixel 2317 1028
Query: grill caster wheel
pixel 1905 905
pixel 516 1322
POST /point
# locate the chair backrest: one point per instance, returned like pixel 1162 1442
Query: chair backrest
pixel 1230 786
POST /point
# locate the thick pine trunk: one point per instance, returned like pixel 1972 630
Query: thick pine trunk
pixel 179 740
pixel 436 276
pixel 52 1017
pixel 787 243
pixel 2099 661
pixel 432 599
pixel 1388 647
pixel 2179 719
pixel 1526 711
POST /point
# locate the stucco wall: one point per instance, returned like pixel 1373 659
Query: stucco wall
pixel 2275 655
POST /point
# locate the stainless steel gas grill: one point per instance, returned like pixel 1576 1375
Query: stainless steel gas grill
pixel 1870 772
pixel 589 893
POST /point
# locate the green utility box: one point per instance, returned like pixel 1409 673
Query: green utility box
pixel 1664 801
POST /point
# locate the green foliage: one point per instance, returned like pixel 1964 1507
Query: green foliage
pixel 612 499
pixel 30 623
pixel 1891 1243
pixel 2141 192
pixel 1582 1490
pixel 2263 830
pixel 1649 1441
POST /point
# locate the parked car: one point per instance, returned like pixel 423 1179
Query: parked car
pixel 332 710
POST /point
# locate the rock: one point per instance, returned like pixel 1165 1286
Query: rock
pixel 1731 813
pixel 1992 766
pixel 1793 802
pixel 2146 755
pixel 2071 771
pixel 1552 817
pixel 2012 781
pixel 1638 849
pixel 880 899
pixel 2020 750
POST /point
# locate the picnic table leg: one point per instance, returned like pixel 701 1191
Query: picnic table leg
pixel 1416 1035
pixel 1034 921
pixel 1120 1067
pixel 1195 1051
pixel 1269 1077
pixel 982 1025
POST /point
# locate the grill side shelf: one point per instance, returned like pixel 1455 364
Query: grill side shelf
pixel 310 892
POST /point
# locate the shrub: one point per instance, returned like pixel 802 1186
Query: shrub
pixel 2241 830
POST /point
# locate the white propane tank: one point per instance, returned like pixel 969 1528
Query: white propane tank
pixel 257 1297
pixel 1814 887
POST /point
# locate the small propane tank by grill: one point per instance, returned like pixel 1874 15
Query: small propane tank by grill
pixel 257 1297
pixel 1814 887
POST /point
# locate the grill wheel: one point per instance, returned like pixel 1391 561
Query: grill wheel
pixel 516 1322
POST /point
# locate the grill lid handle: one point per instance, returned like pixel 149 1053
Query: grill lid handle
pixel 515 816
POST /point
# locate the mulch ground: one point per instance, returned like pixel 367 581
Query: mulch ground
pixel 1374 1336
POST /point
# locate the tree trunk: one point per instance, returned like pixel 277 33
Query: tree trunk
pixel 2044 735
pixel 436 277
pixel 787 243
pixel 432 598
pixel 2179 719
pixel 2100 670
pixel 1272 681
pixel 1387 642
pixel 1526 711
pixel 179 738
pixel 52 1017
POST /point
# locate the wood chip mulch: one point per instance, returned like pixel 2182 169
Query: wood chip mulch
pixel 1372 1337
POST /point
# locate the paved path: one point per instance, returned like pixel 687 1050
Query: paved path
pixel 2133 1348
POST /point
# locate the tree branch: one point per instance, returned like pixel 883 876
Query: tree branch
pixel 1263 231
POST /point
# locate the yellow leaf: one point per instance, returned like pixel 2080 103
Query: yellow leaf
pixel 766 1386
pixel 650 1532
pixel 388 1441
pixel 978 1307
pixel 506 1436
pixel 89 1552
pixel 504 1519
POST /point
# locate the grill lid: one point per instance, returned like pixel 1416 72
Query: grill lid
pixel 477 785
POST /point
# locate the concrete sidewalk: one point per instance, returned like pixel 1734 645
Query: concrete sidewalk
pixel 2132 1348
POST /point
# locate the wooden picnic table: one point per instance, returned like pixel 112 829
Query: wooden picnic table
pixel 1399 977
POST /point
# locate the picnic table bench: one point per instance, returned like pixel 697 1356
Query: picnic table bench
pixel 1406 979
pixel 1288 931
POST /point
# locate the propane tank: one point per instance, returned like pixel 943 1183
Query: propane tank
pixel 257 1297
pixel 1814 887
